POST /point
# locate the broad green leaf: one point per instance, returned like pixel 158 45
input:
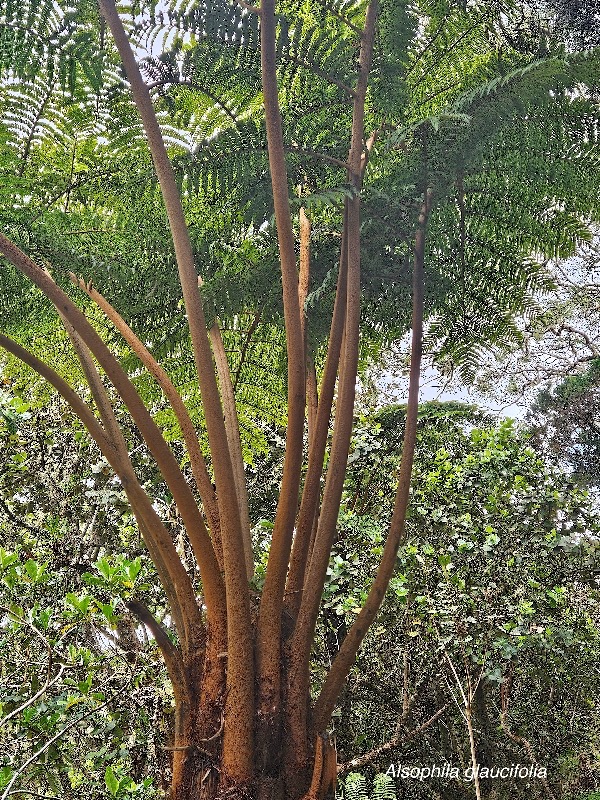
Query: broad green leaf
pixel 111 781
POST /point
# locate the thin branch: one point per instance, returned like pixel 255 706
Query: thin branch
pixel 521 740
pixel 457 679
pixel 14 518
pixel 589 342
pixel 35 697
pixel 395 741
pixel 455 698
pixel 48 744
pixel 39 634
pixel 468 716
pixel 406 699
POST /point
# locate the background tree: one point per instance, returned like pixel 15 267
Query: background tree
pixel 495 585
pixel 537 638
pixel 565 422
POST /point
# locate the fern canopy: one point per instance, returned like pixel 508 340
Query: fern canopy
pixel 504 134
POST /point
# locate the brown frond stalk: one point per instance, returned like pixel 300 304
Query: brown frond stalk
pixel 318 441
pixel 238 748
pixel 165 460
pixel 312 396
pixel 232 429
pixel 161 548
pixel 342 663
pixel 169 652
pixel 187 613
pixel 269 623
pixel 197 462
pixel 340 445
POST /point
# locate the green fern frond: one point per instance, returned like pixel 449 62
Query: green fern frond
pixel 355 787
pixel 540 70
pixel 216 21
pixel 383 788
pixel 51 38
pixel 334 196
